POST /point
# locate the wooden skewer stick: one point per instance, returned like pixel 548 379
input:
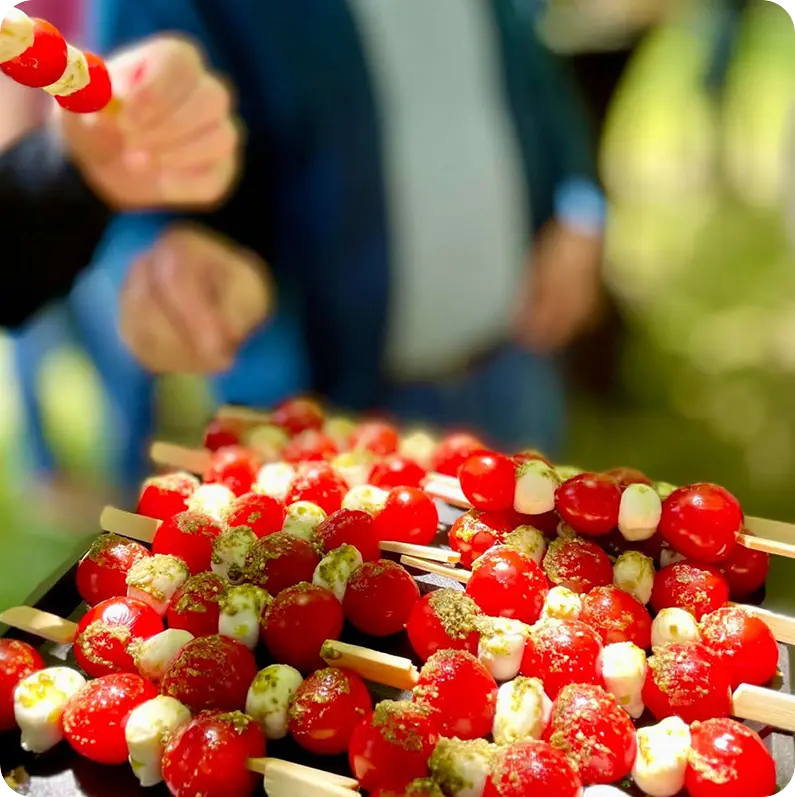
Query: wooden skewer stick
pixel 454 573
pixel 245 415
pixel 41 624
pixel 170 455
pixel 285 779
pixel 423 552
pixel 372 665
pixel 758 704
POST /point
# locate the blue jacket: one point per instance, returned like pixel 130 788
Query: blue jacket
pixel 313 201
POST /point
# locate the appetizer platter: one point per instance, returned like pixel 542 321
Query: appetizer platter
pixel 324 606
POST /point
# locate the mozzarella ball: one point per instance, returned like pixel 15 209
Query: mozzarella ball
pixel 270 697
pixel 462 768
pixel 528 540
pixel 275 480
pixel 668 556
pixel 302 518
pixel 523 711
pixel 366 498
pixel 335 570
pixel 639 513
pixel 267 441
pixel 241 612
pixel 561 604
pixel 354 467
pixel 154 580
pixel 153 656
pixel 211 499
pixel 662 758
pixel 419 446
pixel 674 625
pixel 501 646
pixel 624 669
pixel 536 483
pixel 229 553
pixel 634 573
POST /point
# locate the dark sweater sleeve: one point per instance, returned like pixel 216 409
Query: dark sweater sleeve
pixel 51 224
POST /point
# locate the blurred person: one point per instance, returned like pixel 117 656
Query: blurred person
pixel 420 182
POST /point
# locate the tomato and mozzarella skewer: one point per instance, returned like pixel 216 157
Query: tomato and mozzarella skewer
pixel 270 698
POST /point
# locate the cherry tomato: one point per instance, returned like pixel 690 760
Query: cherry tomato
pixel 445 619
pixel 577 564
pixel 531 767
pixel 687 681
pixel 102 572
pixel 208 756
pixel 508 583
pixel 728 760
pixel 211 673
pixel 349 527
pixel 589 503
pixel 310 446
pixel 298 622
pixel 106 635
pixel 746 572
pixel 744 643
pixel 461 690
pixel 195 606
pixel 700 589
pixel 702 522
pixel 617 616
pixel 391 747
pixel 222 433
pixel 18 660
pixel 328 706
pixel 396 471
pixel 377 437
pixel 562 652
pixel 319 483
pixel 297 415
pixel 488 480
pixel 530 455
pixel 380 597
pixel 409 515
pixel 163 497
pixel 595 733
pixel 43 63
pixel 94 719
pixel 263 514
pixel 188 536
pixel 96 95
pixel 453 451
pixel 627 476
pixel 235 467
pixel 280 561
pixel 475 532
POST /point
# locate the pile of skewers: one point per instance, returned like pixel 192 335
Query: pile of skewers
pixel 546 672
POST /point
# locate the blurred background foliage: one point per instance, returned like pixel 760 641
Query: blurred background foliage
pixel 695 373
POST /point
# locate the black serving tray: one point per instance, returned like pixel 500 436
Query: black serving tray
pixel 62 773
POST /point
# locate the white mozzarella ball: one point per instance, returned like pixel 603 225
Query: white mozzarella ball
pixel 633 572
pixel 365 498
pixel 354 467
pixel 639 513
pixel 536 483
pixel 668 557
pixel 74 78
pixel 267 441
pixel 419 446
pixel 624 667
pixel 148 729
pixel 562 604
pixel 674 626
pixel 501 646
pixel 664 489
pixel 565 531
pixel 229 553
pixel 523 711
pixel 662 758
pixel 340 429
pixel 211 499
pixel 335 570
pixel 462 768
pixel 270 698
pixel 39 702
pixel 529 541
pixel 275 479
pixel 153 656
pixel 18 34
pixel 603 791
pixel 241 612
pixel 302 518
pixel 154 580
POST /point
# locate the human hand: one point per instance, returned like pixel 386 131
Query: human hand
pixel 173 140
pixel 189 302
pixel 560 294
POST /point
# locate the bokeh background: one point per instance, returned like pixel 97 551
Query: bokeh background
pixel 691 374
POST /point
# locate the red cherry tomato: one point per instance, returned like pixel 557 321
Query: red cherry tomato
pixel 211 673
pixel 298 622
pixel 318 483
pixel 44 62
pixel 532 767
pixel 310 446
pixel 234 467
pixel 208 757
pixel 461 691
pixel 577 564
pixel 163 497
pixel 391 747
pixel 221 433
pixel 589 503
pixel 445 619
pixel 488 480
pixel 280 561
pixel 530 455
pixel 263 514
pixel 453 451
pixel 562 652
pixel 380 597
pixel 702 522
pixel 94 719
pixel 349 527
pixel 397 471
pixel 195 606
pixel 508 583
pixel 688 681
pixel 744 643
pixel 595 733
pixel 18 660
pixel 627 476
pixel 617 616
pixel 746 571
pixel 328 706
pixel 700 589
pixel 107 632
pixel 377 437
pixel 476 532
pixel 96 95
pixel 409 515
pixel 102 572
pixel 297 415
pixel 188 536
pixel 728 760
